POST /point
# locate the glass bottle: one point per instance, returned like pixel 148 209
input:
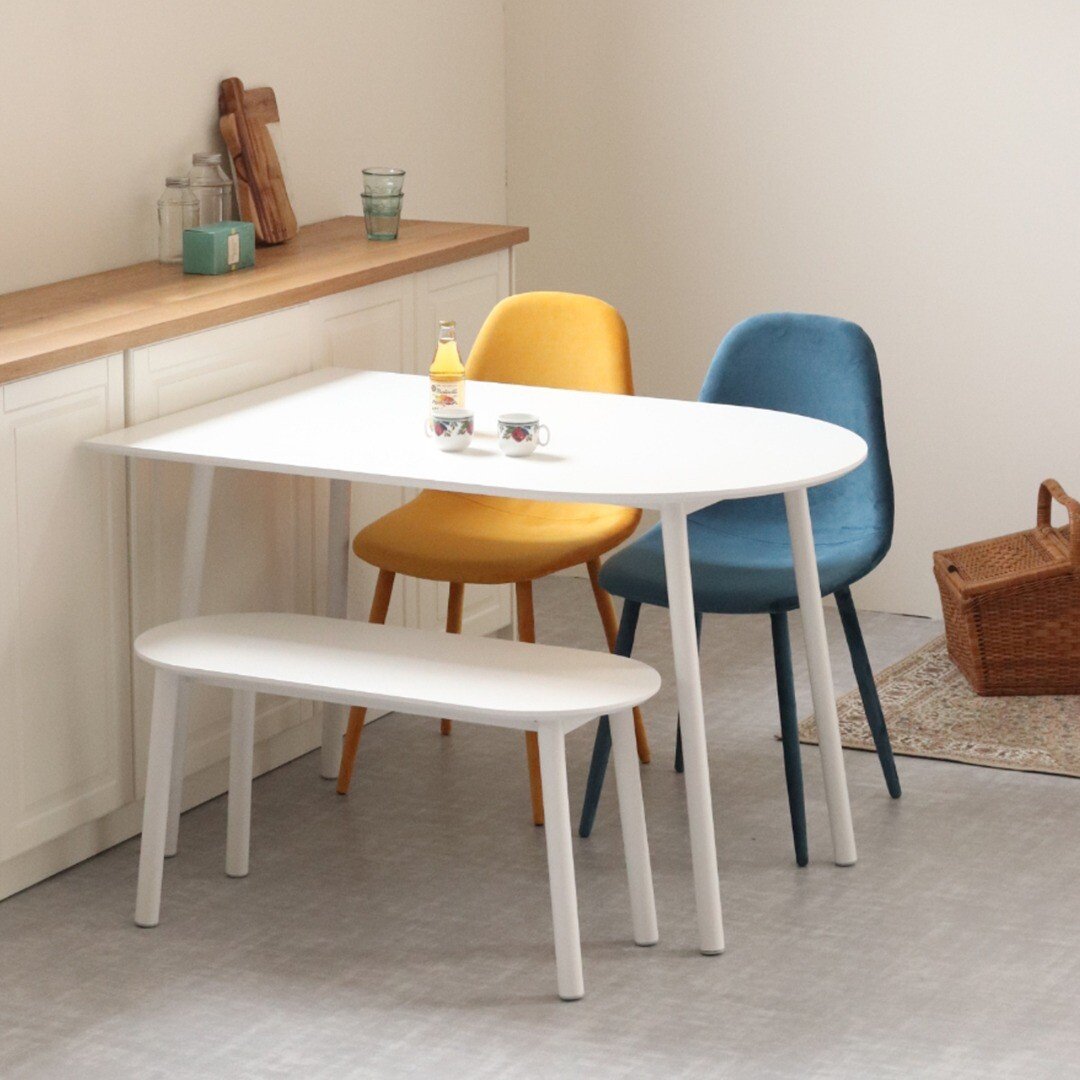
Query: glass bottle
pixel 177 210
pixel 447 372
pixel 212 188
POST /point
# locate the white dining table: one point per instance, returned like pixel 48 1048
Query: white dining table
pixel 671 456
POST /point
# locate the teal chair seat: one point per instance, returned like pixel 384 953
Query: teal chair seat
pixel 740 551
pixel 740 555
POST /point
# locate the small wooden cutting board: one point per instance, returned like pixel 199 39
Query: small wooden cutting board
pixel 260 186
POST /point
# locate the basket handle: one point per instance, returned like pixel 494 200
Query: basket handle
pixel 1052 489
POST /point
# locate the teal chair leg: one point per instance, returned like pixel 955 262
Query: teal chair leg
pixel 624 646
pixel 678 722
pixel 875 718
pixel 789 732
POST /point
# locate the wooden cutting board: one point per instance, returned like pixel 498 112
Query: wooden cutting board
pixel 260 187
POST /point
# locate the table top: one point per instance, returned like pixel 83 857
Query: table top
pixel 605 448
pixel 52 326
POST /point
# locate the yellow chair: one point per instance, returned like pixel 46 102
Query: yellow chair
pixel 539 339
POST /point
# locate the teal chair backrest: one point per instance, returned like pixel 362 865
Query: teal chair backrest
pixel 826 368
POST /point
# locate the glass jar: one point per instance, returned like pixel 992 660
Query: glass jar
pixel 177 209
pixel 212 188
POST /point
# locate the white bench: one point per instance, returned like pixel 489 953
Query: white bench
pixel 541 688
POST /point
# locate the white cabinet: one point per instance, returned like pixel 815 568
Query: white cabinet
pixel 260 553
pixel 65 716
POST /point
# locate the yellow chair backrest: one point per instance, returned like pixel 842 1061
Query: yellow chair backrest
pixel 554 339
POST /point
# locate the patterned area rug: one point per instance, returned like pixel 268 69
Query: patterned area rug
pixel 932 712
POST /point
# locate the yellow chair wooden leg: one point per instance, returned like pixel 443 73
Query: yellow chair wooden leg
pixel 611 630
pixel 453 626
pixel 380 605
pixel 536 787
pixel 526 627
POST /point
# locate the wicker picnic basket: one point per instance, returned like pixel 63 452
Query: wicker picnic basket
pixel 1012 605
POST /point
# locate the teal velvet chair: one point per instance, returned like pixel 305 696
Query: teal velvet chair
pixel 740 552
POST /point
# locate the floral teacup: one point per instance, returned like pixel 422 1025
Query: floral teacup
pixel 451 426
pixel 521 433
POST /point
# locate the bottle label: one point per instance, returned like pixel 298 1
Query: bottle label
pixel 447 393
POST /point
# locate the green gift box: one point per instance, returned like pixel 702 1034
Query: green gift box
pixel 219 248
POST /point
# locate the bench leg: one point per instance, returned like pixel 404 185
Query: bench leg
pixel 635 839
pixel 156 803
pixel 241 762
pixel 197 529
pixel 564 912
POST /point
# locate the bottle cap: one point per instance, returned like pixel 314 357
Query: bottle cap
pixel 206 159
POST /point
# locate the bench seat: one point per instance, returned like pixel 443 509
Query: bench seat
pixel 543 688
pixel 478 680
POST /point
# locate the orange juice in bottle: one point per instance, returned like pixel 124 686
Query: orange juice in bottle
pixel 447 372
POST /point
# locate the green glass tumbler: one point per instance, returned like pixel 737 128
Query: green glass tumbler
pixel 379 180
pixel 382 216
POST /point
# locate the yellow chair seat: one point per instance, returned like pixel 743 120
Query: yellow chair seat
pixel 487 540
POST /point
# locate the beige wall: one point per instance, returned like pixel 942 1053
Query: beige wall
pixel 101 99
pixel 912 166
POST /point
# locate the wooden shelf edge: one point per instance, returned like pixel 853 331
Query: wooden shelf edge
pixel 40 347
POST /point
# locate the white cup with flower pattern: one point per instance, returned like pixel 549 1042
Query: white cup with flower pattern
pixel 521 433
pixel 451 426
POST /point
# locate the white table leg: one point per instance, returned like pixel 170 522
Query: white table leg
pixel 821 684
pixel 241 762
pixel 337 571
pixel 197 529
pixel 635 838
pixel 692 714
pixel 156 804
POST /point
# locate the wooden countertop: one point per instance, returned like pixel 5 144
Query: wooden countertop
pixel 53 326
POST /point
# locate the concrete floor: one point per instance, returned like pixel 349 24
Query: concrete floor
pixel 405 931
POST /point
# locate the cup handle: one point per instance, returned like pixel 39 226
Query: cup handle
pixel 428 428
pixel 543 435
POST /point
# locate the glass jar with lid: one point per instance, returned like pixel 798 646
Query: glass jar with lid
pixel 178 209
pixel 212 188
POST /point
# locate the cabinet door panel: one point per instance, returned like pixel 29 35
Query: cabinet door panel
pixel 65 718
pixel 260 551
pixel 465 292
